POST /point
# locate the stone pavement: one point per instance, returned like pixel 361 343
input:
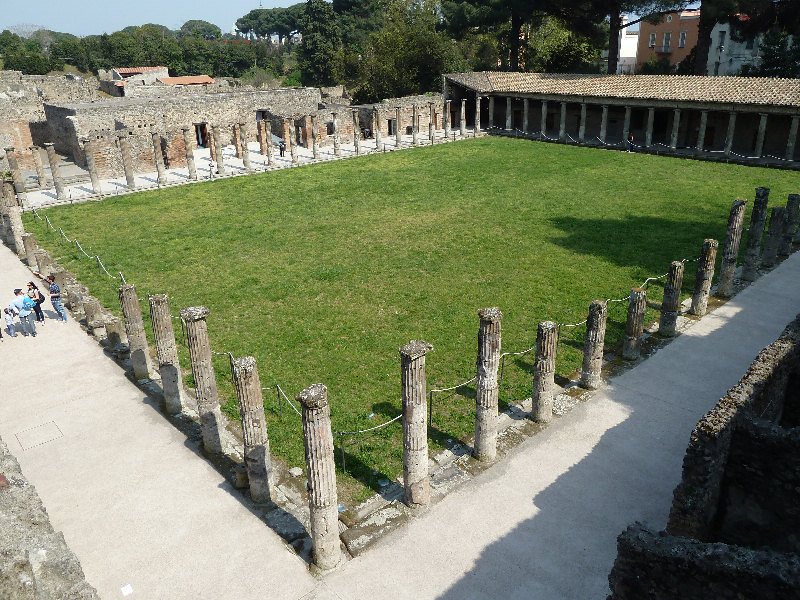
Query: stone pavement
pixel 149 518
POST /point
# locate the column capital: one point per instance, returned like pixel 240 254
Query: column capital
pixel 314 397
pixel 415 349
pixel 490 314
pixel 194 313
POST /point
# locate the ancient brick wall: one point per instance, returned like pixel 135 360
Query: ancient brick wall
pixel 387 112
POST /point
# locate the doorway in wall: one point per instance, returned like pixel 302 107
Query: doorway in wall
pixel 201 134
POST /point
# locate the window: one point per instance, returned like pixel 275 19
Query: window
pixel 669 18
pixel 652 40
pixel 682 40
pixel 722 35
pixel 667 40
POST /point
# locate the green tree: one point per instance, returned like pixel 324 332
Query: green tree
pixel 201 29
pixel 357 19
pixel 317 54
pixel 553 48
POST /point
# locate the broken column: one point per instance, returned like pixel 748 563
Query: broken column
pixel 356 136
pixel 52 158
pixel 30 247
pixel 219 150
pixel 292 140
pixel 705 273
pixel 44 262
pixel 134 327
pixel 16 174
pixel 37 160
pixel 116 337
pixel 398 135
pixel 337 148
pixel 158 157
pixel 245 149
pixel 792 233
pixel 414 123
pixel 254 430
pixel 487 387
pixel 777 225
pixel 188 146
pixel 92 310
pixel 127 162
pixel 544 369
pixel 753 248
pixel 314 137
pixel 88 152
pixel 16 228
pixel 416 481
pixel 322 501
pixel 211 420
pixel 167 354
pixel 593 345
pixel 731 252
pixel 634 326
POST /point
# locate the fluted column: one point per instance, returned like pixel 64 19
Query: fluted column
pixel 158 156
pixel 88 152
pixel 37 160
pixel 648 136
pixel 415 423
pixel 676 124
pixel 134 327
pixel 52 158
pixel 376 117
pixel 543 123
pixel 262 136
pixel 477 123
pixel 268 136
pixel 237 140
pixel 167 353
pixel 730 253
pixel 634 326
pixel 489 347
pixel 604 124
pixel 322 500
pixel 730 133
pixel 462 121
pixel 705 273
pixel 582 128
pixel 777 225
pixel 762 132
pixel 211 419
pixel 254 428
pixel 127 161
pixel 337 148
pixel 414 126
pixel 431 124
pixel 356 132
pixel 245 149
pixel 220 151
pixel 626 126
pixel 16 174
pixel 790 141
pixel 758 219
pixel 315 137
pixel 292 141
pixel 701 133
pixel 188 145
pixel 508 113
pixel 447 117
pixel 491 111
pixel 526 109
pixel 562 123
pixel 544 369
pixel 593 345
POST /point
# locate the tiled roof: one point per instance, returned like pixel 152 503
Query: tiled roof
pixel 186 80
pixel 687 88
pixel 135 70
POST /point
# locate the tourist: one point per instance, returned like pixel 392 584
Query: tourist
pixel 22 306
pixel 282 147
pixel 9 319
pixel 630 142
pixel 38 298
pixel 55 295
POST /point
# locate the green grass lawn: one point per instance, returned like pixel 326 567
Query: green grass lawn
pixel 323 272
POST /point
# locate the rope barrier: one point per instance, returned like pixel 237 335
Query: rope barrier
pixel 450 389
pixel 77 243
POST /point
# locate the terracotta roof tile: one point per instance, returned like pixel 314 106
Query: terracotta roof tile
pixel 687 88
pixel 186 80
pixel 135 70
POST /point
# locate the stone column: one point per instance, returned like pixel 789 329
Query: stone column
pixel 88 151
pixel 489 346
pixel 582 128
pixel 705 273
pixel 337 148
pixel 5 223
pixel 356 132
pixel 293 141
pixel 30 247
pixel 762 130
pixel 237 141
pixel 16 174
pixel 158 155
pixel 220 151
pixel 188 146
pixel 211 419
pixel 16 228
pixel 462 123
pixel 245 149
pixel 268 135
pixel 730 254
pixel 508 113
pixel 167 353
pixel 758 219
pixel 212 146
pixel 477 114
pixel 562 124
pixel 701 134
pixel 37 160
pixel 322 501
pixel 446 117
pixel 792 232
pixel 543 123
pixel 777 225
pixel 790 141
pixel 398 133
pixel 254 429
pixel 42 258
pixel 544 372
pixel 314 137
pixel 604 124
pixel 52 158
pixel 526 109
pixel 491 111
pixel 414 126
pixel 676 124
pixel 127 162
pixel 262 136
pixel 134 327
pixel 593 345
pixel 667 325
pixel 116 337
pixel 431 124
pixel 730 133
pixel 415 426
pixel 634 326
pixel 626 125
pixel 648 136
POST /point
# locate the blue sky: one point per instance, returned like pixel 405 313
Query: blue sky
pixel 89 17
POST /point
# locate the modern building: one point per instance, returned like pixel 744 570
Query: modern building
pixel 672 38
pixel 727 56
pixel 628 49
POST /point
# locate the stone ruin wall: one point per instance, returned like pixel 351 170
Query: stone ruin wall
pixel 734 526
pixel 387 112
